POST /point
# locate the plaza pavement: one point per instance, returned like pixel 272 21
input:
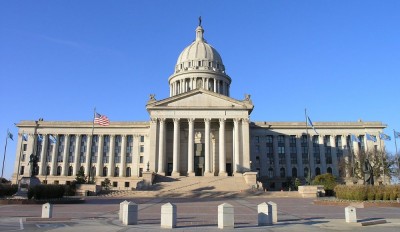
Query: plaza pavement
pixel 193 214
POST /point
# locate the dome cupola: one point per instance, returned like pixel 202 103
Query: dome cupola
pixel 199 66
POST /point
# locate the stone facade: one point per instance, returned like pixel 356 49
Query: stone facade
pixel 199 130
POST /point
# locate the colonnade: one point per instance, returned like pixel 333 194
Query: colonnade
pixel 241 146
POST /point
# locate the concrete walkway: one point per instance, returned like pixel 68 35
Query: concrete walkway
pixel 193 215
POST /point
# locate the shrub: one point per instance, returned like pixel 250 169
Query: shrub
pixel 8 189
pixel 362 192
pixel 328 181
pixel 371 193
pixel 40 192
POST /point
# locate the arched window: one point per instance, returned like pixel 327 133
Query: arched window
pixel 93 172
pixel 48 169
pixel 59 168
pixel 294 172
pixel 282 172
pixel 105 171
pixel 317 171
pixel 116 171
pixel 128 172
pixel 70 170
pixel 306 172
pixel 270 172
pixel 329 170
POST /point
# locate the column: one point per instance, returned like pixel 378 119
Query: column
pixel 245 143
pixel 287 157
pixel 222 154
pixel 88 154
pixel 53 170
pixel 161 148
pixel 223 88
pixel 175 154
pixel 276 156
pixel 111 164
pixel 236 144
pixel 335 164
pixel 207 146
pixel 65 156
pixel 215 85
pixel 99 166
pixel 190 147
pixel 347 155
pixel 300 168
pixel 153 146
pixel 122 171
pixel 77 153
pixel 43 156
pixel 322 153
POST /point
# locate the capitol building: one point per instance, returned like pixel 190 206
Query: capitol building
pixel 199 130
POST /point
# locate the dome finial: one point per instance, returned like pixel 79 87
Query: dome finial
pixel 199 31
pixel 199 21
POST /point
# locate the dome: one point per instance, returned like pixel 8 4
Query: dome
pixel 199 66
pixel 199 55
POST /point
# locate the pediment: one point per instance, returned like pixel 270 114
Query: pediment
pixel 200 99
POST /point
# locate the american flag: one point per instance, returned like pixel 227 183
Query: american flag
pixel 102 120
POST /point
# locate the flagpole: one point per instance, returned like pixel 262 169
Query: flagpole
pixel 308 148
pixel 4 156
pixel 397 155
pixel 90 162
pixel 383 164
pixel 20 154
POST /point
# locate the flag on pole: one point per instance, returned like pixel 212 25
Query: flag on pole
pixel 40 138
pixel 9 135
pixel 25 137
pixel 354 138
pixel 370 137
pixel 311 124
pixel 52 139
pixel 396 134
pixel 384 137
pixel 102 120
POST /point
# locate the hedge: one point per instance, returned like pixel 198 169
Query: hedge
pixel 40 192
pixel 8 189
pixel 365 192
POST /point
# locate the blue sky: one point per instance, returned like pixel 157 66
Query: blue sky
pixel 60 59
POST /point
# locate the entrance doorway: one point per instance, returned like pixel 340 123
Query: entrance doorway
pixel 199 159
pixel 229 169
pixel 169 169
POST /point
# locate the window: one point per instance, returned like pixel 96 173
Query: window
pixel 25 146
pixel 282 159
pixel 128 172
pixel 140 172
pixel 270 172
pixel 117 148
pixel 48 169
pixel 293 158
pixel 269 139
pixel 142 139
pixel 22 170
pixel 126 184
pixel 59 168
pixel 71 149
pixel 282 172
pixel 141 159
pixel 317 171
pixel 257 139
pixel 94 147
pixel 61 145
pixel 105 171
pixel 82 151
pixel 329 170
pixel 116 171
pixel 141 148
pixel 304 158
pixel 306 172
pixel 129 145
pixel 115 184
pixel 281 139
pixel 106 149
pixel 257 149
pixel 294 172
pixel 70 170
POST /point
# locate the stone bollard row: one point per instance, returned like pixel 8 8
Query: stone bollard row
pixel 267 214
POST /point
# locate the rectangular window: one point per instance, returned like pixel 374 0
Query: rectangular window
pixel 22 170
pixel 281 139
pixel 269 139
pixel 293 158
pixel 115 184
pixel 304 158
pixel 141 148
pixel 141 159
pixel 142 139
pixel 126 184
pixel 257 149
pixel 25 146
pixel 257 139
pixel 282 159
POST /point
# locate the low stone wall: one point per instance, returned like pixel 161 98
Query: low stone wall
pixel 311 191
pixel 87 189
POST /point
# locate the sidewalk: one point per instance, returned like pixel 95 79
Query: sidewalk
pixel 192 215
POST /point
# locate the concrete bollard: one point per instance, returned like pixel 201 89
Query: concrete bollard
pixel 47 210
pixel 351 215
pixel 121 206
pixel 264 214
pixel 130 214
pixel 226 217
pixel 274 214
pixel 168 215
